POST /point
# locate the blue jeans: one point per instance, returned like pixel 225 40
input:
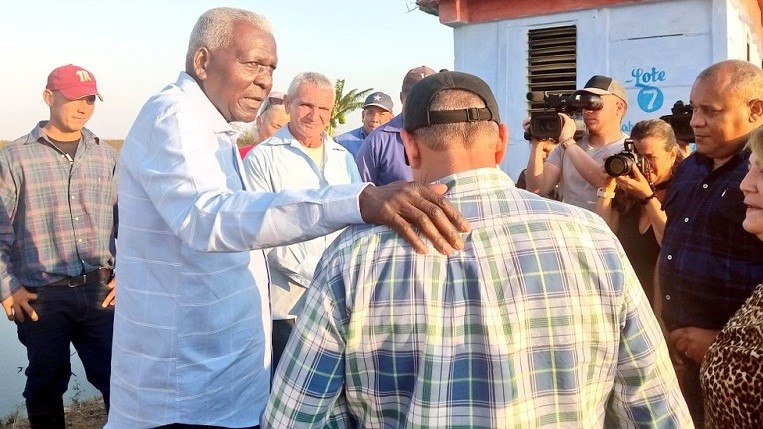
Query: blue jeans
pixel 67 315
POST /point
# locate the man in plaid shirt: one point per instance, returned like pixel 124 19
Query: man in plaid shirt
pixel 539 322
pixel 58 193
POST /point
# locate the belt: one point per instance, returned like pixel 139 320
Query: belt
pixel 91 277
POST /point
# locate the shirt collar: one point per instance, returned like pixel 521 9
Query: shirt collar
pixel 284 137
pixel 216 120
pixel 37 133
pixel 477 181
pixel 740 156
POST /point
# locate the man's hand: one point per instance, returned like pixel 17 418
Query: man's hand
pixel 569 127
pixel 19 303
pixel 693 342
pixel 109 300
pixel 407 207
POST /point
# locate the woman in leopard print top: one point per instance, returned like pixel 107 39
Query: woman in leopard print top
pixel 732 371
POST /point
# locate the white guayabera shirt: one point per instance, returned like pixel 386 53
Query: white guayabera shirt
pixel 191 330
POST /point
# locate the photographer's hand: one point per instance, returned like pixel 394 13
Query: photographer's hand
pixel 588 168
pixel 635 184
pixel 526 126
pixel 604 196
pixel 568 128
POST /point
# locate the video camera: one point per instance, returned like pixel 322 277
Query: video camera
pixel 621 164
pixel 548 124
pixel 679 121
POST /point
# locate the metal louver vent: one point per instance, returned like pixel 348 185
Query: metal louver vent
pixel 552 61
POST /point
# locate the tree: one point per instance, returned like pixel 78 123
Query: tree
pixel 345 103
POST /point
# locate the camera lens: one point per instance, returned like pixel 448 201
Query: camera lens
pixel 618 165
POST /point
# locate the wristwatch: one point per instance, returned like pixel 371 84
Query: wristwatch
pixel 601 193
pixel 567 143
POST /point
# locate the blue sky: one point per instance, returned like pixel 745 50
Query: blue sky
pixel 134 48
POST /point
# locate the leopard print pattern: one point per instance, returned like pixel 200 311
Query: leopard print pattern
pixel 732 371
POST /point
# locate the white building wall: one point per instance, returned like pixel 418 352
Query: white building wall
pixel 656 49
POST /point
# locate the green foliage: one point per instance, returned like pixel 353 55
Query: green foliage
pixel 345 104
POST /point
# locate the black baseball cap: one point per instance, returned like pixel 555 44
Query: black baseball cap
pixel 417 113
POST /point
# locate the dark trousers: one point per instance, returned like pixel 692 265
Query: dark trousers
pixel 692 391
pixel 67 315
pixel 281 332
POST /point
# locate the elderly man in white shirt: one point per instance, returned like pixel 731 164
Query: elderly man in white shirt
pixel 191 329
pixel 299 156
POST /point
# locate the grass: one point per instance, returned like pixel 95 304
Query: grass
pixel 79 415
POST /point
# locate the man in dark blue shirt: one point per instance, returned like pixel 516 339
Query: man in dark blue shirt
pixel 709 264
pixel 377 111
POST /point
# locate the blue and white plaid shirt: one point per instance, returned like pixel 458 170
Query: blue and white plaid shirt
pixel 539 322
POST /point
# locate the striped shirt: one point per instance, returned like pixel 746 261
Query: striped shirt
pixel 192 327
pixel 58 217
pixel 539 322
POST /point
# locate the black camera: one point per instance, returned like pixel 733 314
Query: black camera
pixel 679 121
pixel 621 164
pixel 547 124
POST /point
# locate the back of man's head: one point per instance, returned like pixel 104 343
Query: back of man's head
pixel 450 114
pixel 411 78
pixel 450 108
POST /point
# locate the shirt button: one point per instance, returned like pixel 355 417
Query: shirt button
pixel 79 241
pixel 667 297
pixel 670 257
pixel 686 219
pixel 76 218
pixel 704 186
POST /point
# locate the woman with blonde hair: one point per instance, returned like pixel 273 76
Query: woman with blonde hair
pixel 732 370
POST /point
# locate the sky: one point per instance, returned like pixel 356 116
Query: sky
pixel 134 48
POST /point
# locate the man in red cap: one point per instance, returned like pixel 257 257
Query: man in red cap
pixel 57 240
pixel 381 158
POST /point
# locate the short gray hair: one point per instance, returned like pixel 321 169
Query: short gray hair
pixel 440 137
pixel 214 30
pixel 318 79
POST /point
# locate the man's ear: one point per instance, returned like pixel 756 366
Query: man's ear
pixel 286 101
pixel 47 97
pixel 412 151
pixel 201 62
pixel 756 110
pixel 501 145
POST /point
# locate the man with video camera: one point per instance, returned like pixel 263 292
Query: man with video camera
pixel 576 165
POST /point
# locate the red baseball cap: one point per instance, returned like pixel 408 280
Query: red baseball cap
pixel 73 82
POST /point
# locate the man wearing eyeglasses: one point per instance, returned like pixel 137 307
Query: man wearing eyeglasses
pixel 576 165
